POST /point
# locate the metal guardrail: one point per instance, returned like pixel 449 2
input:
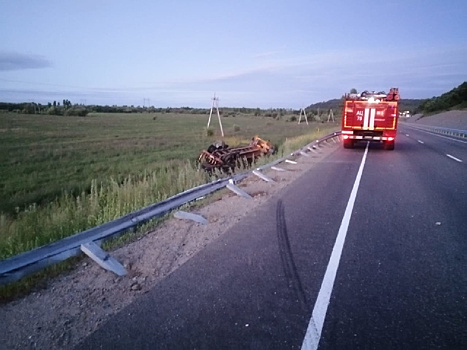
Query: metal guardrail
pixel 439 130
pixel 23 264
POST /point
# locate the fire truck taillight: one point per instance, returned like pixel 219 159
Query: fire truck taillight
pixel 390 138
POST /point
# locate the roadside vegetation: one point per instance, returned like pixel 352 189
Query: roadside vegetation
pixel 60 175
pixel 454 99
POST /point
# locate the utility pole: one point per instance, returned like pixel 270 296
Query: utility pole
pixel 302 111
pixel 215 103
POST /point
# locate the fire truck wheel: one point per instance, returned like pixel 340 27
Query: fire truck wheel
pixel 389 146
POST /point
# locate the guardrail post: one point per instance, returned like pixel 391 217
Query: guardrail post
pixel 262 176
pixel 183 215
pixel 237 190
pixel 103 258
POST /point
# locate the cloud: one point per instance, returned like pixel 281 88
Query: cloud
pixel 10 61
pixel 315 77
pixel 291 81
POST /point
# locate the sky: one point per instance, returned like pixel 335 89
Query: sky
pixel 256 53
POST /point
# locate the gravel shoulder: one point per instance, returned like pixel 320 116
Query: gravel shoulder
pixel 74 305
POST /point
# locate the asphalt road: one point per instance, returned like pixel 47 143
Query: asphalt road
pixel 401 279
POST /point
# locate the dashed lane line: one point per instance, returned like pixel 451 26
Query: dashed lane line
pixel 420 141
pixel 315 326
pixel 454 158
pixel 444 137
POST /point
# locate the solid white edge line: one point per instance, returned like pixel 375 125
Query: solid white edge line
pixel 315 326
pixel 456 159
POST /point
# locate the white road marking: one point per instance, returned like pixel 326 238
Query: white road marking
pixel 434 134
pixel 456 159
pixel 407 135
pixel 315 326
pixel 420 141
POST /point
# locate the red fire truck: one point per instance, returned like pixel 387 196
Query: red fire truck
pixel 370 116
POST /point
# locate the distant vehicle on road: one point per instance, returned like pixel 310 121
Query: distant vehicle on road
pixel 371 116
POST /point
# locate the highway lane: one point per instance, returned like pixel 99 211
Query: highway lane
pixel 255 286
pixel 453 148
pixel 401 281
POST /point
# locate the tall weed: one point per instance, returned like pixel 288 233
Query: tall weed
pixel 105 201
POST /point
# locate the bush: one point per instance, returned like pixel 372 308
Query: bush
pixel 76 111
pixel 293 118
pixel 209 132
pixel 236 128
pixel 54 111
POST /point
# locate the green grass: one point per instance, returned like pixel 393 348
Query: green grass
pixel 61 175
pixel 42 156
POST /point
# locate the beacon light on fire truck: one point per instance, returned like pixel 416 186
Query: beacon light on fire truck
pixel 370 116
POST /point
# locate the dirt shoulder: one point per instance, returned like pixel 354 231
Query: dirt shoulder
pixel 74 305
pixel 450 119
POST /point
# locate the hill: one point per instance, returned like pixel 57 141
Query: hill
pixel 454 99
pixel 326 105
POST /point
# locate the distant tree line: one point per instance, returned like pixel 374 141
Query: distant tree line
pixel 68 109
pixel 51 108
pixel 334 104
pixel 454 99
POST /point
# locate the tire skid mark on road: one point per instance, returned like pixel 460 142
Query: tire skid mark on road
pixel 287 259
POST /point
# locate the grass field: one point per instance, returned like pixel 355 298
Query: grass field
pixel 60 175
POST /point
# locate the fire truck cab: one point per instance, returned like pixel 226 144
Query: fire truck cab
pixel 370 116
